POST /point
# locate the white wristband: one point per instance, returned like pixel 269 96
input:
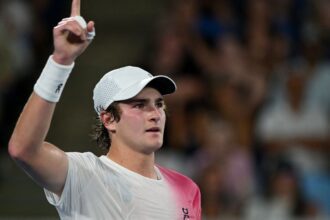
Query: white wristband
pixel 52 80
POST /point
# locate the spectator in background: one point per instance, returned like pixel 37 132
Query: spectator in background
pixel 295 130
pixel 224 169
pixel 282 198
pixel 312 57
pixel 238 89
pixel 214 197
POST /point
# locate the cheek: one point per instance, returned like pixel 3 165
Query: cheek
pixel 163 118
pixel 133 123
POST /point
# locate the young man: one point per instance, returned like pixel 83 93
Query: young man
pixel 125 183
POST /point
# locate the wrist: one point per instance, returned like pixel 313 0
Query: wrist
pixel 52 80
pixel 61 59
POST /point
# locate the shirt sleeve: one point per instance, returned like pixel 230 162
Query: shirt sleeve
pixel 197 204
pixel 80 171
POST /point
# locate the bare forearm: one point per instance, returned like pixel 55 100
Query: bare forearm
pixel 32 126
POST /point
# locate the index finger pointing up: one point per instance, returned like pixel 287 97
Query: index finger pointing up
pixel 75 8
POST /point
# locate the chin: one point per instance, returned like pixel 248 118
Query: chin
pixel 157 145
pixel 154 147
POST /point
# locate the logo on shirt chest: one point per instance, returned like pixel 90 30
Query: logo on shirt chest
pixel 185 213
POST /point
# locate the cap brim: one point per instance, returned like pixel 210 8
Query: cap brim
pixel 163 84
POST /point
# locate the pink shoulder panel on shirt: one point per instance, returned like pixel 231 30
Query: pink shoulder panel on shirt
pixel 187 194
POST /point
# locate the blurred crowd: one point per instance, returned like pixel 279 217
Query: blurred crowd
pixel 25 44
pixel 251 118
pixel 250 122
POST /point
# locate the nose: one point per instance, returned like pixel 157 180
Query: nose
pixel 154 113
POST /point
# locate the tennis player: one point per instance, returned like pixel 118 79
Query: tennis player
pixel 125 183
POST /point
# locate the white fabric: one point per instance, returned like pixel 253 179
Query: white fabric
pixel 52 80
pixel 98 188
pixel 126 82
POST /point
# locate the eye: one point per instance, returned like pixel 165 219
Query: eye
pixel 138 105
pixel 160 104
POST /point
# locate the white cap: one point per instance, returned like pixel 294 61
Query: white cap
pixel 125 83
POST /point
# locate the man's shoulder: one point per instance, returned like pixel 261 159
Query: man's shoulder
pixel 86 155
pixel 185 189
pixel 83 158
pixel 173 176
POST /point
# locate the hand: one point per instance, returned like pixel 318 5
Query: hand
pixel 70 38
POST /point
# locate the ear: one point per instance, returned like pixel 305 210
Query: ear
pixel 108 121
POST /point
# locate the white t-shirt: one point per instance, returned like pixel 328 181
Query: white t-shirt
pixel 98 188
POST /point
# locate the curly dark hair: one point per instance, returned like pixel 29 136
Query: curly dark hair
pixel 99 133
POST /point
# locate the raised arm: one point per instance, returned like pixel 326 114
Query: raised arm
pixel 44 162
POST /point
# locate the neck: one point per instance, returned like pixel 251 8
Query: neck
pixel 137 162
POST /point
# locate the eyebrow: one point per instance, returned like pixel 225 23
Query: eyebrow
pixel 141 100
